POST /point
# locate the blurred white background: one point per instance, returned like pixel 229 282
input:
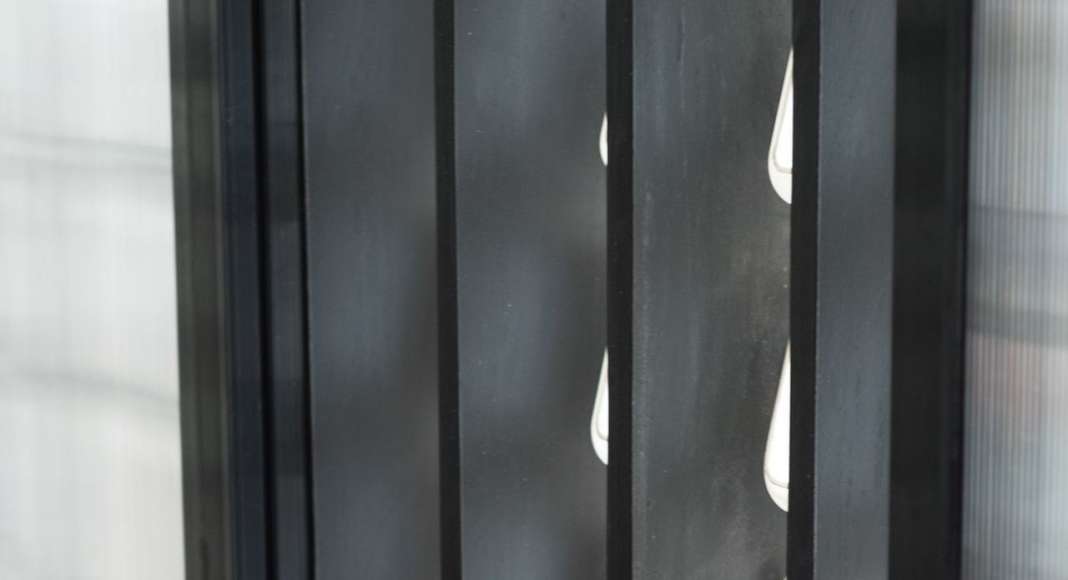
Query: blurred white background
pixel 1016 422
pixel 90 468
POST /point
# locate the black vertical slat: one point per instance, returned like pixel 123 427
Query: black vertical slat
pixel 243 296
pixel 209 551
pixel 218 237
pixel 369 125
pixel 932 129
pixel 530 258
pixel 844 165
pixel 855 198
pixel 281 170
pixel 620 299
pixel 708 319
pixel 242 276
pixel 804 262
pixel 448 351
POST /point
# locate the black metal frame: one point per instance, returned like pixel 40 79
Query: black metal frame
pixel 841 274
pixel 804 235
pixel 243 300
pixel 239 229
pixel 694 359
pixel 620 298
pixel 521 257
pixel 291 530
pixel 930 209
pixel 367 79
pixel 921 401
pixel 212 256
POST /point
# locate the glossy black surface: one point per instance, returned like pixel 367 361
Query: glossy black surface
pixel 372 286
pixel 530 257
pixel 710 241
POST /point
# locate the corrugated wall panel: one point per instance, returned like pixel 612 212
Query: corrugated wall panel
pixel 1016 478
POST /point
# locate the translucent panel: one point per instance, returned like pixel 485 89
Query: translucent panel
pixel 90 468
pixel 1016 431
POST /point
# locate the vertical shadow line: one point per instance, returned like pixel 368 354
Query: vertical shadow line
pixel 448 352
pixel 804 299
pixel 620 292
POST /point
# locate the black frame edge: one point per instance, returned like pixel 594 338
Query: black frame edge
pixel 288 419
pixel 804 300
pixel 238 260
pixel 448 306
pixel 206 473
pixel 930 211
pixel 241 309
pixel 620 293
